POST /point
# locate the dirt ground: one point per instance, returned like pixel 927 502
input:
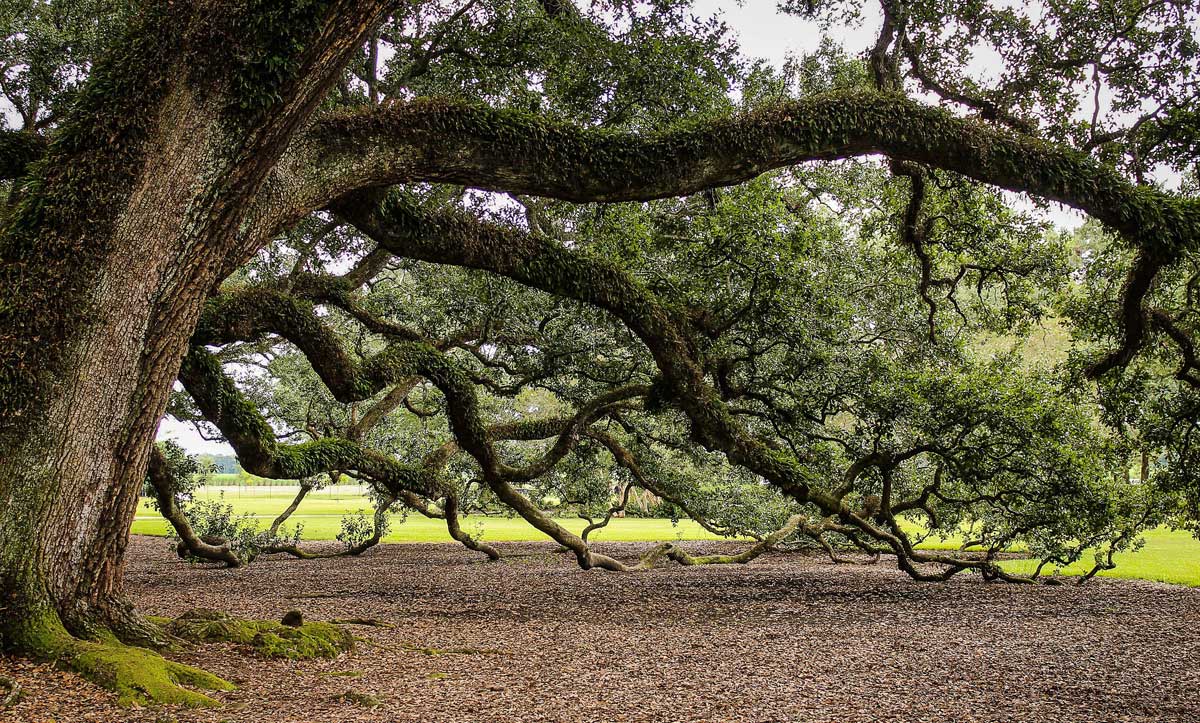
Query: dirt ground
pixel 786 638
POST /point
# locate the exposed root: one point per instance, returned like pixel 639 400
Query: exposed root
pixel 143 677
pixel 266 638
pixel 138 676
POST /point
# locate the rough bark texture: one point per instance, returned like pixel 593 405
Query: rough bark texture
pixel 92 349
pixel 168 174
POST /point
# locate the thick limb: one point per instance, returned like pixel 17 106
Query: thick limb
pixel 452 238
pixel 254 440
pixel 681 556
pixel 452 142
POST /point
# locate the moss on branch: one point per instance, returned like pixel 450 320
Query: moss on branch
pixel 514 151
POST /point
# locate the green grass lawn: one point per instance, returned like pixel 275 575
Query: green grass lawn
pixel 321 514
pixel 1168 556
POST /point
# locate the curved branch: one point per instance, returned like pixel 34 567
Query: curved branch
pixel 681 556
pixel 452 238
pixel 509 151
pixel 160 481
pixel 259 453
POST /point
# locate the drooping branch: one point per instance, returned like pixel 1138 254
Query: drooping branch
pixel 447 237
pixel 164 495
pixel 1183 341
pixel 565 432
pixel 1138 283
pixel 254 441
pixel 444 237
pixel 454 527
pixel 626 460
pixel 249 313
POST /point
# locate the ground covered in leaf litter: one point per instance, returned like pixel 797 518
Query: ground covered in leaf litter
pixel 788 637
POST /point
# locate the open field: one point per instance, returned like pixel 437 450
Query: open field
pixel 1168 556
pixel 790 637
pixel 321 514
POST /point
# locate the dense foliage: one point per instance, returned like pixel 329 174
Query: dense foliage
pixel 870 320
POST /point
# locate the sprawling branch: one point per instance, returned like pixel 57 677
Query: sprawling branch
pixel 164 495
pixel 447 237
pixel 444 237
pixel 446 141
pixel 683 557
pixel 259 453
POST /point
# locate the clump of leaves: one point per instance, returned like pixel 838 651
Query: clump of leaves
pixel 217 519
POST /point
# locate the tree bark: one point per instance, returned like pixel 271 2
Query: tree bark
pixel 146 193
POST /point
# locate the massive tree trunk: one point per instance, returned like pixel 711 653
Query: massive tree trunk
pixel 147 193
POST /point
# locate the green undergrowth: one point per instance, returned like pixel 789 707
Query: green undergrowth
pixel 266 638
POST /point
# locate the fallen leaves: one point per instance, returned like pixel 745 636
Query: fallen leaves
pixel 786 638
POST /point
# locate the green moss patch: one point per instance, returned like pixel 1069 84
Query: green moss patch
pixel 266 638
pixel 142 677
pixel 366 700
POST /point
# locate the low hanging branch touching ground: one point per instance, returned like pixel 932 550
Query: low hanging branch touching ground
pixel 306 485
pixel 456 531
pixel 626 459
pixel 379 528
pixel 278 313
pixel 678 554
pixel 406 229
pixel 818 531
pixel 162 484
pixel 445 237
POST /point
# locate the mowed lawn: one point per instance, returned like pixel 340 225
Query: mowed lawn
pixel 1168 555
pixel 321 514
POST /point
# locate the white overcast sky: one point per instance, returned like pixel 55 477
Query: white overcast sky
pixel 763 33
